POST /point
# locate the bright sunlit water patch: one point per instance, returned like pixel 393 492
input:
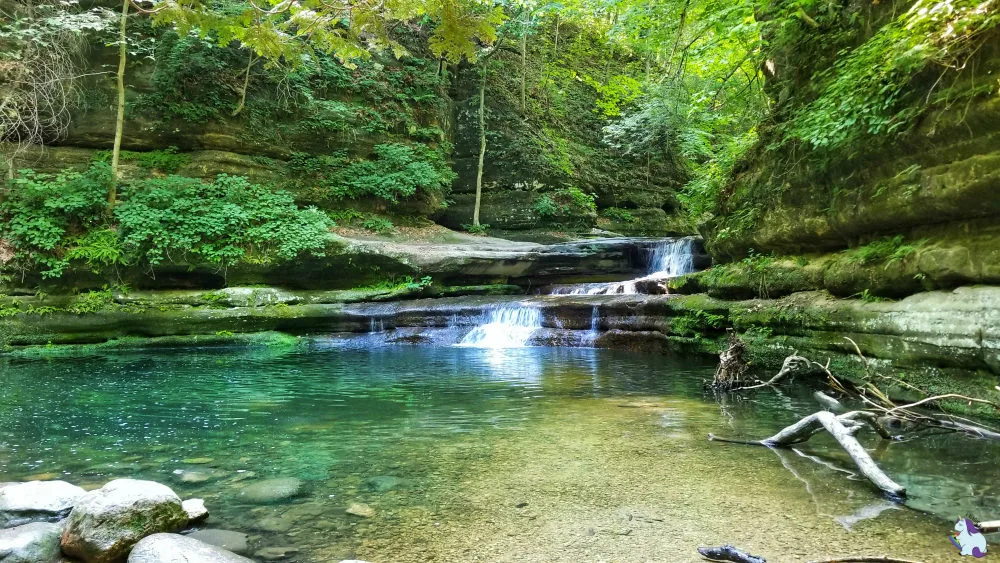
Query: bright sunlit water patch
pixel 505 453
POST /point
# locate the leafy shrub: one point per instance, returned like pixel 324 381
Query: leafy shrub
pixel 567 203
pixel 98 249
pixel 45 211
pixel 220 222
pixel 92 301
pixel 378 225
pixel 480 229
pixel 397 171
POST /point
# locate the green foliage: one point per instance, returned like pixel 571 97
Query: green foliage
pixel 569 204
pixel 378 225
pixel 98 249
pixel 167 160
pixel 868 297
pixel 399 284
pixel 696 323
pixel 44 213
pixel 92 301
pixel 220 222
pixel 619 214
pixel 866 91
pixel 480 229
pixel 397 171
pixel 8 307
pixel 887 250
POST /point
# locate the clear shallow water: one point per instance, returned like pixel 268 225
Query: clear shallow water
pixel 525 454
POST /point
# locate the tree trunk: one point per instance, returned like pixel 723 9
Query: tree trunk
pixel 805 428
pixel 482 149
pixel 120 122
pixel 524 68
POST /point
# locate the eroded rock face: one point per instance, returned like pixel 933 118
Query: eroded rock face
pixel 106 523
pixel 37 542
pixel 21 503
pixel 174 548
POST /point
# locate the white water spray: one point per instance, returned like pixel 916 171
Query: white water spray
pixel 673 258
pixel 505 326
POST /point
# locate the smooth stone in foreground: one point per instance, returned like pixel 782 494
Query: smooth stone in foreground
pixel 174 548
pixel 37 542
pixel 21 503
pixel 237 542
pixel 272 490
pixel 106 523
pixel 195 509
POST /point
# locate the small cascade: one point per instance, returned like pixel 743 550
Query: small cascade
pixel 669 258
pixel 595 327
pixel 672 258
pixel 506 326
pixel 617 288
pixel 376 326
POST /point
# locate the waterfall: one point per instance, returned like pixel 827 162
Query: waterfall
pixel 376 325
pixel 505 326
pixel 673 258
pixel 595 327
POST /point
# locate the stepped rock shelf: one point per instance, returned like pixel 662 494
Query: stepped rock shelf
pixel 922 337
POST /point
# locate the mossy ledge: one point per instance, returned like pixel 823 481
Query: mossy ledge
pixel 938 341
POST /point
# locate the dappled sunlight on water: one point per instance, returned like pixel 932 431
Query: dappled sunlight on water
pixel 523 454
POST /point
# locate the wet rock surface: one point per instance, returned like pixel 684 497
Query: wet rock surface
pixel 174 548
pixel 106 523
pixel 37 542
pixel 272 490
pixel 237 542
pixel 21 503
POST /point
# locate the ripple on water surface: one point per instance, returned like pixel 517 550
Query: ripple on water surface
pixel 521 454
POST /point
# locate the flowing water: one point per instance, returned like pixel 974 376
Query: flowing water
pixel 667 259
pixel 480 454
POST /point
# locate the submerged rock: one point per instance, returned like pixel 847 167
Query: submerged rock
pixel 384 483
pixel 237 542
pixel 272 490
pixel 21 503
pixel 360 510
pixel 276 553
pixel 174 548
pixel 106 523
pixel 195 509
pixel 37 542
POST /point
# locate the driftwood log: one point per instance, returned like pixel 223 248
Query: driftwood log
pixel 989 527
pixel 729 553
pixel 842 428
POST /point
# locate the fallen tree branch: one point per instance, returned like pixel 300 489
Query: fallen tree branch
pixel 844 434
pixel 791 365
pixel 729 553
pixel 989 527
pixel 942 397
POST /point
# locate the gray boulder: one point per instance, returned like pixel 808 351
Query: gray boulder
pixel 237 542
pixel 36 501
pixel 106 523
pixel 272 490
pixel 37 542
pixel 174 548
pixel 195 509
